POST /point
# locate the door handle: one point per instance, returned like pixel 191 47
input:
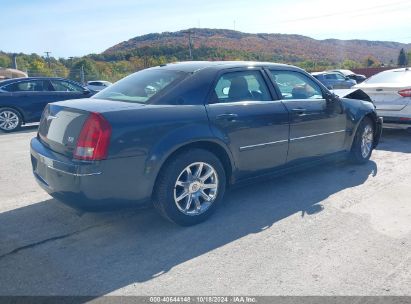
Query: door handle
pixel 227 116
pixel 299 111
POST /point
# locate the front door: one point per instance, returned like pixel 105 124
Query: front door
pixel 244 113
pixel 316 129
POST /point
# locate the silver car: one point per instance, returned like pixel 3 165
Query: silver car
pixel 98 85
pixel 391 93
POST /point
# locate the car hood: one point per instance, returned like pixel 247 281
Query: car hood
pixel 353 93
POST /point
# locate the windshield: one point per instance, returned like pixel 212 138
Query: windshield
pixel 401 76
pixel 141 87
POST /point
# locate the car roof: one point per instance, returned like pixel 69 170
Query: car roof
pixel 194 66
pixel 7 81
pixel 324 73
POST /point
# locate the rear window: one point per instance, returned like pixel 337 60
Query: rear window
pixel 142 86
pixel 401 76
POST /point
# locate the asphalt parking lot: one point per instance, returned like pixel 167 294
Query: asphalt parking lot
pixel 339 229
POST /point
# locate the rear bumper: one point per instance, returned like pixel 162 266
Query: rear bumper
pixel 397 122
pixel 91 186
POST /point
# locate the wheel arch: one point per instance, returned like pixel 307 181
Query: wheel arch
pixel 23 120
pixel 211 146
pixel 374 118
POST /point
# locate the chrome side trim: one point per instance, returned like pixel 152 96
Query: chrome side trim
pixel 286 140
pixel 315 135
pixel 263 144
pixel 50 163
pixel 74 174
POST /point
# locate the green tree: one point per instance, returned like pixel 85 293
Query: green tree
pixel 5 61
pixel 402 58
pixel 371 61
pixel 350 64
pixel 85 66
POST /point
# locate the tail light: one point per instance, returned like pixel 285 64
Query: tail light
pixel 94 139
pixel 405 93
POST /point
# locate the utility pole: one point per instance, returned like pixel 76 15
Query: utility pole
pixel 190 32
pixel 15 61
pixel 48 58
pixel 82 75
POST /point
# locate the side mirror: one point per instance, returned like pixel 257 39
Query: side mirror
pixel 334 104
pixel 330 87
pixel 86 91
pixel 347 78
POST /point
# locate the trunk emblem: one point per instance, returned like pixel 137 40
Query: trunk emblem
pixel 70 139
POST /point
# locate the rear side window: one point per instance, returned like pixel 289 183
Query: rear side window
pixel 241 86
pixel 294 85
pixel 65 86
pixel 28 86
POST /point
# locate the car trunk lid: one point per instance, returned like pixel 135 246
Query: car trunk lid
pixel 386 97
pixel 62 122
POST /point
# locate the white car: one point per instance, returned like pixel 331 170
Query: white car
pixel 98 85
pixel 391 93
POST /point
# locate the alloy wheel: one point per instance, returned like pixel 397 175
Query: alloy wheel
pixel 9 120
pixel 367 141
pixel 196 188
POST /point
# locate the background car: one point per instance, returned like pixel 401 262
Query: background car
pixel 176 135
pixel 350 74
pixel 334 80
pixel 22 100
pixel 98 85
pixel 391 93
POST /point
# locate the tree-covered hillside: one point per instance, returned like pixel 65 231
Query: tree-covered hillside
pixel 155 49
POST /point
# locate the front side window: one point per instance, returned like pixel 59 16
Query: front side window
pixel 65 86
pixel 241 86
pixel 339 77
pixel 142 86
pixel 295 85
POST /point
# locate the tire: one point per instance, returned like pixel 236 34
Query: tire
pixel 176 189
pixel 363 144
pixel 10 120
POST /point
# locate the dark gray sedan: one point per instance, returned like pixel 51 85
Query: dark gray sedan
pixel 179 134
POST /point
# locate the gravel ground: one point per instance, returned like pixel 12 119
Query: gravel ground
pixel 338 229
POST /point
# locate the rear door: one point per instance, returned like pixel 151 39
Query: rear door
pixel 251 120
pixel 315 128
pixel 32 96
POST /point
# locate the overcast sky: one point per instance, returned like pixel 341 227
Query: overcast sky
pixel 80 27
